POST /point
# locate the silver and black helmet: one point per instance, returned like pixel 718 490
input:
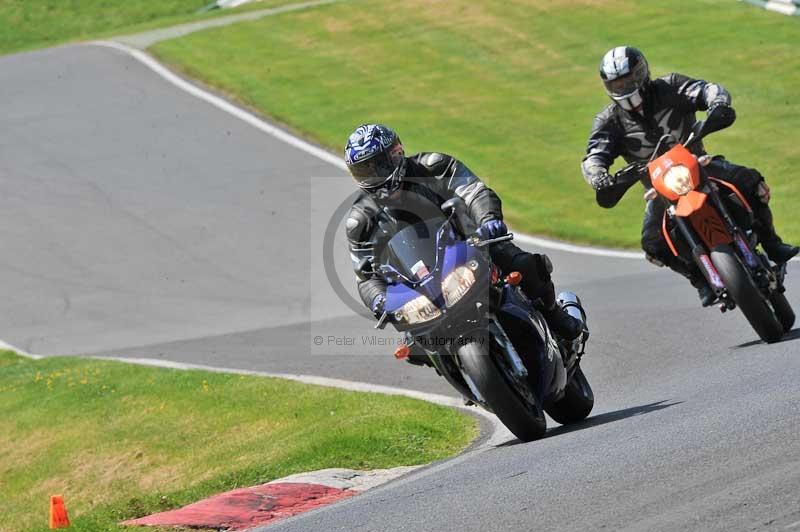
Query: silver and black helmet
pixel 626 76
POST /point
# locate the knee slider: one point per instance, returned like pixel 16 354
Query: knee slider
pixel 654 260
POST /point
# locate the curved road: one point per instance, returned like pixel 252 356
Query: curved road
pixel 140 221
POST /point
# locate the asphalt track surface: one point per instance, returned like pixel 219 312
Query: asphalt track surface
pixel 139 221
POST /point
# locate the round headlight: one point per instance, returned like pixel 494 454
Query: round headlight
pixel 679 180
pixel 456 284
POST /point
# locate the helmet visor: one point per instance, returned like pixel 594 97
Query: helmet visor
pixel 624 86
pixel 378 170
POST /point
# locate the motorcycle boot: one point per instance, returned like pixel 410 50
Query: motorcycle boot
pixel 776 249
pixel 537 284
pixel 692 273
pixel 565 326
pixel 706 294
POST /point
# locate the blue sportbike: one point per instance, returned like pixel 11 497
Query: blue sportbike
pixel 478 329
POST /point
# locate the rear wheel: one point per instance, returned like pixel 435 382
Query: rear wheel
pixel 577 402
pixel 747 296
pixel 525 420
pixel 783 310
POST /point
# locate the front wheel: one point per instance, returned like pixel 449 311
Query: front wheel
pixel 746 295
pixel 783 310
pixel 577 402
pixel 526 421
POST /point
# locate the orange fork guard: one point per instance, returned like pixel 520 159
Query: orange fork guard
pixel 666 235
pixel 735 191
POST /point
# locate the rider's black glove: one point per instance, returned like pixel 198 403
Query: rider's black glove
pixel 602 179
pixel 609 191
pixel 722 113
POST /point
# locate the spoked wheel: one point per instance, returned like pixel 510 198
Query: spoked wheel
pixel 577 402
pixel 746 295
pixel 525 420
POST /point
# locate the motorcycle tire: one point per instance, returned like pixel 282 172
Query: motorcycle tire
pixel 577 402
pixel 783 310
pixel 524 420
pixel 746 295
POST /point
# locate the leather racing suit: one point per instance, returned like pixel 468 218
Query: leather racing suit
pixel 669 106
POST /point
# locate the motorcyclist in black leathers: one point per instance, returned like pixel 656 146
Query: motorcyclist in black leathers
pixel 642 110
pixel 397 190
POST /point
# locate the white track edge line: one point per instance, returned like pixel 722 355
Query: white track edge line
pixel 223 104
pixel 573 248
pixel 8 347
pixel 324 155
pixel 497 434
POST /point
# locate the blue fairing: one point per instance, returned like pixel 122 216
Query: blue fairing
pixel 525 323
pixel 519 306
pixel 453 253
pixel 413 276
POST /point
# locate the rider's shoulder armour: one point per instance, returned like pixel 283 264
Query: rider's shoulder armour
pixel 433 164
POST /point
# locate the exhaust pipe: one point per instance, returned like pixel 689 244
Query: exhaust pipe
pixel 571 304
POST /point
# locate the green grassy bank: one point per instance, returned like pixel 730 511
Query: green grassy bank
pixel 28 24
pixel 122 441
pixel 511 87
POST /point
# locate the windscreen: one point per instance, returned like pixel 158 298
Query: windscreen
pixel 412 251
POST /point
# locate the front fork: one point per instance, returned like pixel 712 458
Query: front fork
pixel 699 253
pixel 739 239
pixel 491 332
pixel 767 279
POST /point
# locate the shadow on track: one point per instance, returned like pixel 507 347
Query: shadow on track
pixel 602 419
pixel 794 334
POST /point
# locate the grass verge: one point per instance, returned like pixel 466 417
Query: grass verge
pixel 511 87
pixel 29 24
pixel 122 441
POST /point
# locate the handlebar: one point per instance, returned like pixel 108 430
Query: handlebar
pixel 476 242
pixel 630 173
pixel 718 118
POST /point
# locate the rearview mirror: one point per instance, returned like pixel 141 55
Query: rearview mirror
pixel 455 204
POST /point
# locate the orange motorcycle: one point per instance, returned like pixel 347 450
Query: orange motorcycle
pixel 709 222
